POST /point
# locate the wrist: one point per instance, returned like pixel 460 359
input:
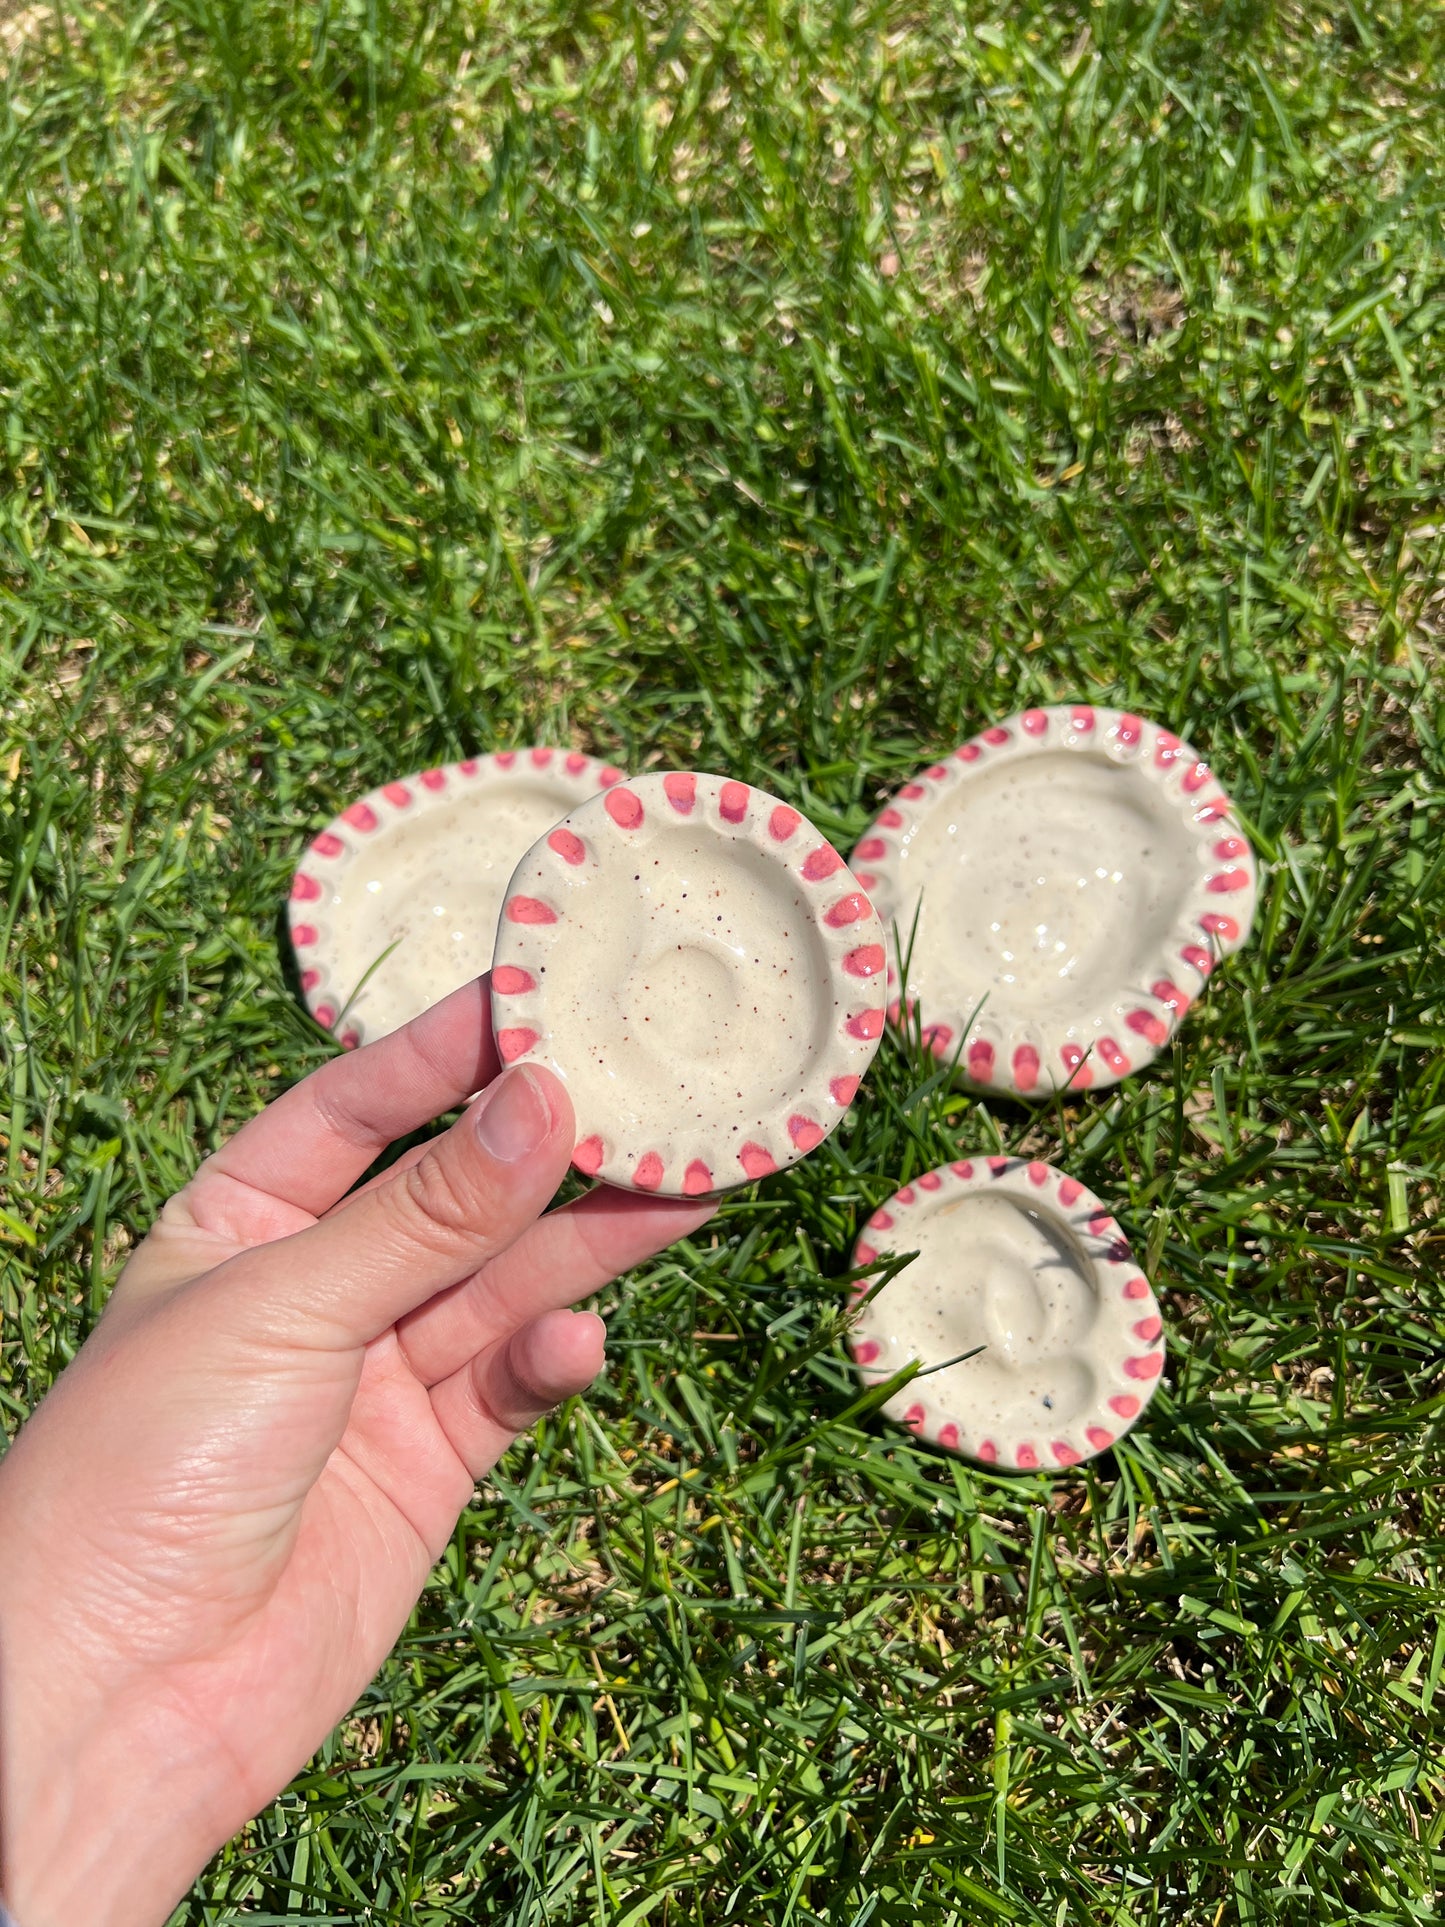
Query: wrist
pixel 105 1822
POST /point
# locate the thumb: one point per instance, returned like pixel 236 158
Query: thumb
pixel 341 1282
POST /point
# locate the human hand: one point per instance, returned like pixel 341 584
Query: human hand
pixel 216 1525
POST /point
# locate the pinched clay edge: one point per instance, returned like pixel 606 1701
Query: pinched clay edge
pixel 1124 1294
pixel 332 852
pixel 842 913
pixel 1215 918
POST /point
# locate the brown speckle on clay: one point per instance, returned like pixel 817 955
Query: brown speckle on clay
pixel 1061 868
pixel 1033 1345
pixel 692 999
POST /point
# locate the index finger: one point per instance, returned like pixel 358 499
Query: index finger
pixel 312 1144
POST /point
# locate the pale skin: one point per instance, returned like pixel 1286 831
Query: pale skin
pixel 216 1525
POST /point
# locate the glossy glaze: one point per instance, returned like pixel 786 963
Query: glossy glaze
pixel 1060 887
pixel 699 966
pixel 408 882
pixel 1041 1335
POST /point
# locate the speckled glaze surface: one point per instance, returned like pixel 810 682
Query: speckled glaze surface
pixel 698 965
pixel 1076 875
pixel 1024 1268
pixel 413 874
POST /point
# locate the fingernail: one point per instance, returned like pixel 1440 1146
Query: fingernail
pixel 515 1118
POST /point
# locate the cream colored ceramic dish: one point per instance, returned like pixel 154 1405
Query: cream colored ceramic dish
pixel 1076 875
pixel 699 966
pixel 1023 1268
pixel 396 902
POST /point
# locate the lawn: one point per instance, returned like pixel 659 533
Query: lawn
pixel 784 388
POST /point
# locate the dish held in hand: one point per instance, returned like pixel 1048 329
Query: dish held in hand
pixel 395 903
pixel 1076 876
pixel 1023 1268
pixel 698 965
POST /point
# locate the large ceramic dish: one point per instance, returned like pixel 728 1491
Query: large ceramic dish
pixel 1076 875
pixel 1021 1266
pixel 697 964
pixel 396 902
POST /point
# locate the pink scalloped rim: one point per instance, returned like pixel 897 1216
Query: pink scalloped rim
pixel 1134 1327
pixel 321 873
pixel 537 915
pixel 1216 912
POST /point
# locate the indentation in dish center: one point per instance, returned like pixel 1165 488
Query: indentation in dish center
pixel 1026 1309
pixel 1035 874
pixel 684 1000
pixel 721 1012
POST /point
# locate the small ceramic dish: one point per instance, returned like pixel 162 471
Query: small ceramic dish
pixel 699 966
pixel 1022 1267
pixel 1076 875
pixel 396 901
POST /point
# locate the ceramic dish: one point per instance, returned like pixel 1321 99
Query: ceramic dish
pixel 1076 875
pixel 699 966
pixel 406 884
pixel 1021 1266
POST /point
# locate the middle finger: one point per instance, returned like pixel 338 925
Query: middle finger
pixel 560 1259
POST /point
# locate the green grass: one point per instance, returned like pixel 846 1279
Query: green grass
pixel 785 389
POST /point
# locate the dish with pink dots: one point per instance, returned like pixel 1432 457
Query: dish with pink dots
pixel 698 965
pixel 1039 1338
pixel 396 901
pixel 1076 874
